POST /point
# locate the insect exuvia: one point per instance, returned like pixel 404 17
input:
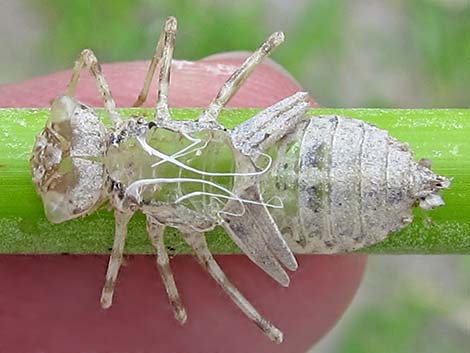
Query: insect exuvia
pixel 346 183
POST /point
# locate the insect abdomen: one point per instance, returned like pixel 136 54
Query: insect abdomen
pixel 355 186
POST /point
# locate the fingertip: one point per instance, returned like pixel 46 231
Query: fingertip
pixel 237 57
pixel 279 80
pixel 193 84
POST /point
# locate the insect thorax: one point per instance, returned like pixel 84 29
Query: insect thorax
pixel 166 161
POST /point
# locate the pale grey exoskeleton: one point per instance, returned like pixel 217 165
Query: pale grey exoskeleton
pixel 345 183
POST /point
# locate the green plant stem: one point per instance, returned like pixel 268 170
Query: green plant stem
pixel 441 135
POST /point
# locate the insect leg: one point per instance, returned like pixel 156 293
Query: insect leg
pixel 234 82
pixel 162 111
pixel 115 259
pixel 88 59
pixel 169 29
pixel 198 243
pixel 155 232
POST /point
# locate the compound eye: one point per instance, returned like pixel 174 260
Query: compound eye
pixel 65 167
pixel 62 110
pixel 56 207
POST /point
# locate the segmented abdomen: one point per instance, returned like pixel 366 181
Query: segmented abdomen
pixel 355 186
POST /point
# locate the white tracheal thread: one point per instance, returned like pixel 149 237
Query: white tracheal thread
pixel 216 196
pixel 186 150
pixel 133 191
pixel 133 187
pixel 153 152
pixel 189 150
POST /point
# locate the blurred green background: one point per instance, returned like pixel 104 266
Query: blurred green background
pixel 357 53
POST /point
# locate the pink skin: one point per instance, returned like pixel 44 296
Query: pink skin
pixel 51 303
